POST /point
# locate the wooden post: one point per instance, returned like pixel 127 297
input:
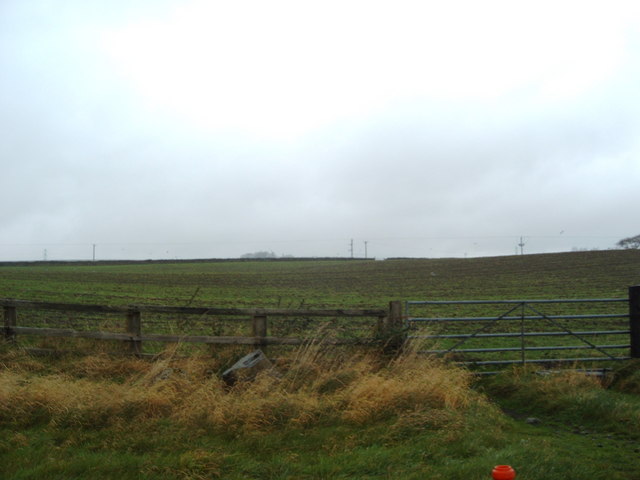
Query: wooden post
pixel 392 328
pixel 10 321
pixel 134 328
pixel 259 328
pixel 634 320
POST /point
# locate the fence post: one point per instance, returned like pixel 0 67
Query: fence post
pixel 134 328
pixel 259 328
pixel 393 331
pixel 10 321
pixel 381 325
pixel 634 320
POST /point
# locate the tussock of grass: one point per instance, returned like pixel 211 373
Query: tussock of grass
pixel 626 378
pixel 571 396
pixel 105 367
pixel 409 384
pixel 311 388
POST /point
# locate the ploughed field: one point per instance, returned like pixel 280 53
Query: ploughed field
pixel 316 283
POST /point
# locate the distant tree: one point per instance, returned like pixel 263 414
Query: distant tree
pixel 259 255
pixel 631 242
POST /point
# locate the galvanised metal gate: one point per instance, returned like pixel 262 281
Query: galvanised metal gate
pixel 485 334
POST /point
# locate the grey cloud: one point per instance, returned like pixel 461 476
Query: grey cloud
pixel 86 160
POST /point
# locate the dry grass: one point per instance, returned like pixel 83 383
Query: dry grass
pixel 313 386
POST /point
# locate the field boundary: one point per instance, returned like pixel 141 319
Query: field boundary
pixel 385 324
pixel 133 327
pixel 453 330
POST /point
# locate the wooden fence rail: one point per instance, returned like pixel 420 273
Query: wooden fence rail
pixel 386 330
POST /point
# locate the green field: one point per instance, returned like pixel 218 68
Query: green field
pixel 337 284
pixel 328 414
pixel 328 283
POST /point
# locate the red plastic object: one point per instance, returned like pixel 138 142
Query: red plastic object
pixel 503 472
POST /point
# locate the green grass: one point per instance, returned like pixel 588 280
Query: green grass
pixel 102 418
pixel 163 450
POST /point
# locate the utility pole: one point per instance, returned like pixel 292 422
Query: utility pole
pixel 351 248
pixel 94 252
pixel 44 255
pixel 521 245
pixel 365 249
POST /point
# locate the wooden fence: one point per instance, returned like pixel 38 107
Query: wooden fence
pixel 382 327
pixel 386 325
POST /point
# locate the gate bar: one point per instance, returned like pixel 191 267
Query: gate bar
pixel 485 302
pixel 526 317
pixel 517 349
pixel 526 334
pixel 545 360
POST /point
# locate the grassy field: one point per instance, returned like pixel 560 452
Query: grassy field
pixel 316 284
pixel 328 283
pixel 326 414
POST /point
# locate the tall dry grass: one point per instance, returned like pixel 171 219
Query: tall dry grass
pixel 313 386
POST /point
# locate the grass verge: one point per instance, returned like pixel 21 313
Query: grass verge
pixel 321 416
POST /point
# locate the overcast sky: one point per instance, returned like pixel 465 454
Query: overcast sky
pixel 181 129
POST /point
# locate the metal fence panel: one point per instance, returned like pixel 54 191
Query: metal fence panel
pixel 480 333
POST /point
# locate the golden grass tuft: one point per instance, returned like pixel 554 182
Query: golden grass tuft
pixel 313 386
pixel 411 383
pixel 102 366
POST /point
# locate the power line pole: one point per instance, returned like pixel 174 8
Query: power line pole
pixel 351 248
pixel 365 249
pixel 521 245
pixel 94 252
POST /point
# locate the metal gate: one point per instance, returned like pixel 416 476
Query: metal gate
pixel 486 334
